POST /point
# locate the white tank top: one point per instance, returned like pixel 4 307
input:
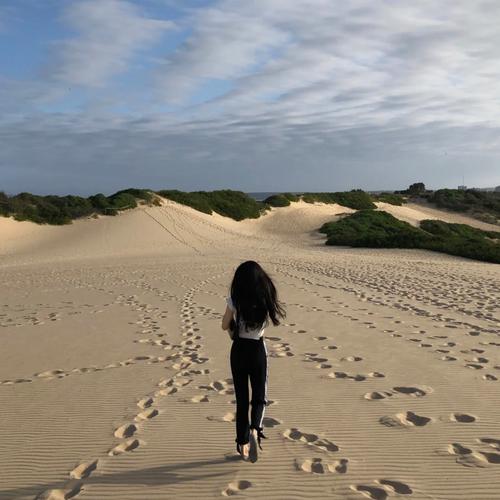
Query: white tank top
pixel 243 333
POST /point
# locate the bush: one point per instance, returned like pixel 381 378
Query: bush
pixel 195 200
pixel 122 201
pixel 4 204
pixel 355 199
pixel 469 200
pixel 234 204
pixel 378 229
pixel 291 196
pixel 393 199
pixel 369 228
pixel 139 194
pixel 277 200
pixel 64 209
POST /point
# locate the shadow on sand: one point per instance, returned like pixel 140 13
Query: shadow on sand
pixel 154 476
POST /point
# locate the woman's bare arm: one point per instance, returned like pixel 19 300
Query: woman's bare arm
pixel 226 320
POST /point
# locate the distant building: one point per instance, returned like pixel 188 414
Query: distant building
pixel 462 188
pixel 497 189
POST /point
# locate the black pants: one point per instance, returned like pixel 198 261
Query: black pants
pixel 249 360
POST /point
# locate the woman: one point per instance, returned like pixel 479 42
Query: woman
pixel 252 303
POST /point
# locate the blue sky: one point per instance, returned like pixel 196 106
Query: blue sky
pixel 99 95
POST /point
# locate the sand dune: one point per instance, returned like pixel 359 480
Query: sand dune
pixel 115 381
pixel 413 213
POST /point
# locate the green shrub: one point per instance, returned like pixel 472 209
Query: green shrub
pixel 64 209
pixel 369 228
pixel 122 201
pixel 234 204
pixel 291 196
pixel 393 199
pixel 139 194
pixel 4 204
pixel 469 200
pixel 355 199
pixel 277 200
pixel 196 200
pixel 378 229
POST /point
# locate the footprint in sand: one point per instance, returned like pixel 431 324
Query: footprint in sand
pixel 64 493
pixel 344 375
pixel 492 442
pixel 280 350
pixel 146 414
pixel 129 445
pixel 83 470
pixel 313 357
pixel 413 391
pixel 314 440
pixel 324 366
pixel 166 392
pixel 271 422
pixel 475 458
pixel 490 377
pixel 463 418
pixel 51 373
pixel 219 386
pixel 202 398
pixel 407 419
pixel 351 358
pixel 416 392
pixel 388 487
pixel 125 431
pixel 236 487
pixel 395 486
pixel 145 403
pixel 16 381
pixel 320 466
pixel 228 417
pixel 448 358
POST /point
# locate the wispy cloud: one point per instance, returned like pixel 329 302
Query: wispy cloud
pixel 303 94
pixel 354 63
pixel 109 34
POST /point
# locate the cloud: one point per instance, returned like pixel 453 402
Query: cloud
pixel 110 32
pixel 316 94
pixel 356 63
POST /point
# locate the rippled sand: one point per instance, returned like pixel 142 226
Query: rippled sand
pixel 115 382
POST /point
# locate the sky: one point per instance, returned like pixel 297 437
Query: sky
pixel 256 95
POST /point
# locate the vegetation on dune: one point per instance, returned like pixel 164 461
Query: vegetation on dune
pixel 64 209
pixel 372 228
pixel 291 196
pixel 356 199
pixel 277 200
pixel 481 204
pixel 463 240
pixel 378 229
pixel 393 199
pixel 281 199
pixel 234 204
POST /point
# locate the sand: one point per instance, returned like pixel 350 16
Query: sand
pixel 115 381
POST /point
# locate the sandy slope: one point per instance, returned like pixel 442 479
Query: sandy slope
pixel 114 376
pixel 413 213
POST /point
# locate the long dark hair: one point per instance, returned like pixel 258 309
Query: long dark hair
pixel 255 297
